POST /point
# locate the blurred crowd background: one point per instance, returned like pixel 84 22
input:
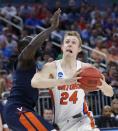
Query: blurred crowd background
pixel 97 23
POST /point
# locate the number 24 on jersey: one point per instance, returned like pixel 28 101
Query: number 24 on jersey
pixel 65 96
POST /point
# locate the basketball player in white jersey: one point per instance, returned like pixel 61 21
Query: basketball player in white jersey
pixel 71 111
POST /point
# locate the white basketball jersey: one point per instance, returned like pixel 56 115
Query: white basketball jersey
pixel 68 100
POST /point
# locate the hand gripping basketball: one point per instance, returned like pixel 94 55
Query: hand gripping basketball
pixel 90 78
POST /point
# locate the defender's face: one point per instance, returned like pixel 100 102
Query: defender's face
pixel 71 46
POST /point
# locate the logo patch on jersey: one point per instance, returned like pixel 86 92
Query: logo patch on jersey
pixel 60 74
pixel 20 109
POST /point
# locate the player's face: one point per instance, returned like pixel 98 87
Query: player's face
pixel 71 46
pixel 107 111
pixel 115 105
pixel 48 115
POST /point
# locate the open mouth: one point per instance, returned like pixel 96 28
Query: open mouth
pixel 70 51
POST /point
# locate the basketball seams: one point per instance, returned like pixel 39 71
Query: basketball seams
pixel 90 76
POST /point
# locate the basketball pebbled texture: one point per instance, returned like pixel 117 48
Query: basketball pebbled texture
pixel 90 78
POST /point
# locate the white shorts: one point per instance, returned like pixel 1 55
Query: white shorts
pixel 77 124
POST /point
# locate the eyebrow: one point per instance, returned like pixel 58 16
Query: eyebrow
pixel 69 39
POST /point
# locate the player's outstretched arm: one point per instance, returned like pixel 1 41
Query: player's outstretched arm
pixel 44 79
pixel 36 82
pixel 37 41
pixel 105 88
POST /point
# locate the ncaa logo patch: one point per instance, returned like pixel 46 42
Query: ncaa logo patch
pixel 60 74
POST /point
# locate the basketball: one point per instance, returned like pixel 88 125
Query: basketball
pixel 90 78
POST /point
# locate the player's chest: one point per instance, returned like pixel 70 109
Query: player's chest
pixel 69 94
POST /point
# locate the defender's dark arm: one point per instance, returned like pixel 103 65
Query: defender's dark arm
pixel 30 50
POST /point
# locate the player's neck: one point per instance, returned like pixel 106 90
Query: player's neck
pixel 68 62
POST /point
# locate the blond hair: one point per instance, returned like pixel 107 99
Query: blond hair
pixel 74 33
